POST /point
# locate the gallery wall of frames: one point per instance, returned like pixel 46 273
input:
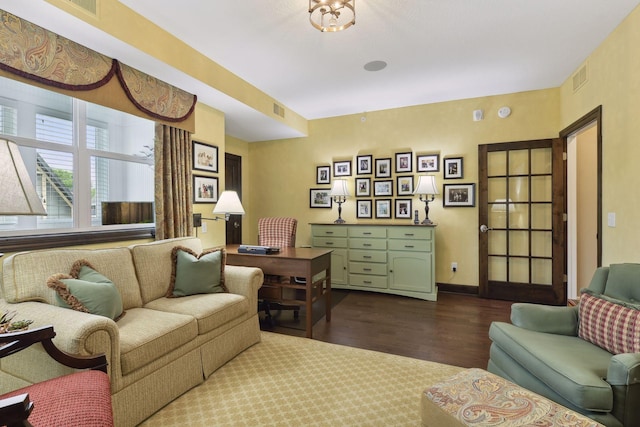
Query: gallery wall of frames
pixel 384 186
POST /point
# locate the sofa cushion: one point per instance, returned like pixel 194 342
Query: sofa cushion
pixel 86 290
pixel 196 274
pixel 607 324
pixel 210 310
pixel 153 264
pixel 147 335
pixel 571 366
pixel 622 282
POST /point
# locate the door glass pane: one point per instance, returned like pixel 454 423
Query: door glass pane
pixel 520 218
pixel 497 268
pixel 497 242
pixel 541 188
pixel 541 216
pixel 497 163
pixel 541 160
pixel 497 219
pixel 519 270
pixel 497 189
pixel 519 189
pixel 519 243
pixel 541 243
pixel 541 270
pixel 519 162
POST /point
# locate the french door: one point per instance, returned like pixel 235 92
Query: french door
pixel 521 216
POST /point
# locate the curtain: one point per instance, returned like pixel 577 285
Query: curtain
pixel 174 189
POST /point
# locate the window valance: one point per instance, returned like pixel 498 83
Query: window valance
pixel 37 54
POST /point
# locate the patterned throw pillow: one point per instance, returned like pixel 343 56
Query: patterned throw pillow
pixel 608 325
pixel 197 274
pixel 86 290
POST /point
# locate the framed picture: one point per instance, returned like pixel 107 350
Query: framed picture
pixel 319 198
pixel 383 208
pixel 342 168
pixel 428 163
pixel 403 208
pixel 363 187
pixel 382 188
pixel 403 162
pixel 205 189
pixel 205 157
pixel 364 164
pixel 323 175
pixel 459 195
pixel 404 185
pixel 453 168
pixel 383 168
pixel 364 209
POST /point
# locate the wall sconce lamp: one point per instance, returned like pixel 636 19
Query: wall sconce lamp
pixel 339 193
pixel 426 187
pixel 228 204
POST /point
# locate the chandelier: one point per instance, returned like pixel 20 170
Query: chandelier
pixel 332 15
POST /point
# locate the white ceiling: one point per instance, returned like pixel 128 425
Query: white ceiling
pixel 436 50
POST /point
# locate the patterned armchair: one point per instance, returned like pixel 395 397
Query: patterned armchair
pixel 276 232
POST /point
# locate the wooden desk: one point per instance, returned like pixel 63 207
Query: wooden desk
pixel 295 262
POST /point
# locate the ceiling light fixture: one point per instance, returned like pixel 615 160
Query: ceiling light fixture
pixel 332 15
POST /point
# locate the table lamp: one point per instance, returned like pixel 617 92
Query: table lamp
pixel 339 193
pixel 426 187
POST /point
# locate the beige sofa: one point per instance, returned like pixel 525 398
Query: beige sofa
pixel 159 349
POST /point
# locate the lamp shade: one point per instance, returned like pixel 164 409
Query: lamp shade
pixel 18 195
pixel 426 185
pixel 229 203
pixel 339 188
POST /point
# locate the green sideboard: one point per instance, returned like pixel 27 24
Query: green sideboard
pixel 393 259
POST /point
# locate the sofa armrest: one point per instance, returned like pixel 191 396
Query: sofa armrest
pixel 624 369
pixel 244 281
pixel 546 318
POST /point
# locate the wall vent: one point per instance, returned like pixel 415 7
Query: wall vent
pixel 580 78
pixel 278 110
pixel 90 6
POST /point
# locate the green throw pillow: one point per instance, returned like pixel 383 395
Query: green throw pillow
pixel 87 290
pixel 197 274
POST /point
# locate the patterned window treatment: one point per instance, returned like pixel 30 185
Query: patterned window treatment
pixel 174 189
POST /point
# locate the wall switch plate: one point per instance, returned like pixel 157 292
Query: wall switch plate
pixel 611 219
pixel 204 227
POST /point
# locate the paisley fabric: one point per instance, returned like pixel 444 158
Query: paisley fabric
pixel 476 397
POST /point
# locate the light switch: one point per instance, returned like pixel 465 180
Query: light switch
pixel 204 227
pixel 611 219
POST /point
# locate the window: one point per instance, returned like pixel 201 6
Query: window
pixel 80 156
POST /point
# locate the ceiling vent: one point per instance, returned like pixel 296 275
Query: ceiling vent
pixel 90 6
pixel 278 110
pixel 580 78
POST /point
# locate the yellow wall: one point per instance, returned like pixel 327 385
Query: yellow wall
pixel 614 83
pixel 283 171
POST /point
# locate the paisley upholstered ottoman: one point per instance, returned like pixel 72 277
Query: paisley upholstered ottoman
pixel 475 397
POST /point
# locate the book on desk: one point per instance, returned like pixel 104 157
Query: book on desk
pixel 258 250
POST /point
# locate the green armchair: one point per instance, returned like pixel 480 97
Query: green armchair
pixel 585 357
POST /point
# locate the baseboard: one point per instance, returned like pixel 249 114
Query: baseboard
pixel 458 289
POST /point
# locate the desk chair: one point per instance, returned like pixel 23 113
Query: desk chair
pixel 80 399
pixel 278 232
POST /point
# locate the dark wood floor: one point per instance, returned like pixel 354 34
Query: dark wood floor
pixel 453 330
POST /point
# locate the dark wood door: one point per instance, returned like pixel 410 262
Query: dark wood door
pixel 233 181
pixel 521 216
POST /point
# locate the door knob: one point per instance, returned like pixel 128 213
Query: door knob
pixel 484 228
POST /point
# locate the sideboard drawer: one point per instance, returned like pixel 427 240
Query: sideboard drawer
pixel 367 256
pixel 410 245
pixel 330 242
pixel 368 268
pixel 329 230
pixel 375 232
pixel 376 244
pixel 410 233
pixel 368 281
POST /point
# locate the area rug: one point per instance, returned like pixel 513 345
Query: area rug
pixel 291 381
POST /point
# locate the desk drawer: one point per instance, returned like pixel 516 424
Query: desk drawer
pixel 411 233
pixel 329 231
pixel 330 242
pixel 375 244
pixel 410 245
pixel 368 281
pixel 367 256
pixel 375 232
pixel 368 268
